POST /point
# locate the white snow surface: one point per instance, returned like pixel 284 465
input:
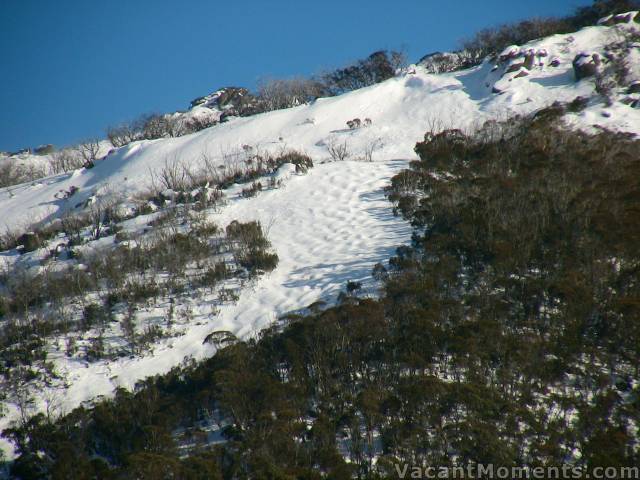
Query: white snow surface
pixel 330 225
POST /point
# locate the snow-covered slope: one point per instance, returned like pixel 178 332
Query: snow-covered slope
pixel 401 110
pixel 333 224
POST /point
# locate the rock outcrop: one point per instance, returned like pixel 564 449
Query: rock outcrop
pixel 586 65
pixel 626 17
pixel 231 101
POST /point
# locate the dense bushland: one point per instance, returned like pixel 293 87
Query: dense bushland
pixel 376 68
pixel 183 253
pixel 508 334
pixel 153 126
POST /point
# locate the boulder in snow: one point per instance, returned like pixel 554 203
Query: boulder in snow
pixel 529 59
pixel 586 65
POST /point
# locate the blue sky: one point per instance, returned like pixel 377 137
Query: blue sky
pixel 70 68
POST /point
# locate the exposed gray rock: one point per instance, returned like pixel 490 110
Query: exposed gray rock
pixel 232 101
pixel 514 67
pixel 634 88
pixel 44 149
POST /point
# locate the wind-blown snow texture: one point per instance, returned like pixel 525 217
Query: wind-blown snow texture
pixel 333 224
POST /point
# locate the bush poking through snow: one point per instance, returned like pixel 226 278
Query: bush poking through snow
pixel 249 246
pixel 302 161
pixel 578 104
pixel 252 190
pixel 180 252
pixel 353 286
pixel 376 68
pixel 275 94
pixel 355 123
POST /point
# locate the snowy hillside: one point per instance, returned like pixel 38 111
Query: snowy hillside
pixel 328 226
pixel 400 110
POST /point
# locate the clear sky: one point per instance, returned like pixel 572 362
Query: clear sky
pixel 70 68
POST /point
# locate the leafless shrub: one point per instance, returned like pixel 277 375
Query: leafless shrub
pixel 65 160
pixel 338 150
pixel 355 123
pixel 174 175
pixel 10 175
pixel 284 93
pixel 195 124
pixel 123 134
pixel 155 126
pixel 160 126
pixel 210 168
pixel 101 211
pixel 369 148
pixel 89 151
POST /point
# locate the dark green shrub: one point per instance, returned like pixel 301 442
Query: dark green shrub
pixel 96 348
pixel 353 286
pixel 578 104
pixel 141 290
pixel 30 241
pixel 94 314
pixel 260 261
pixel 249 246
pixel 214 275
